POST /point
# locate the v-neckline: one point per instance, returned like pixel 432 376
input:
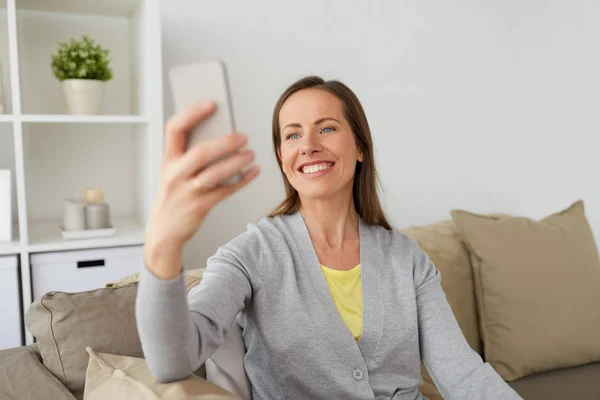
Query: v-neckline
pixel 372 309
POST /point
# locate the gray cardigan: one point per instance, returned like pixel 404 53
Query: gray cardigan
pixel 297 345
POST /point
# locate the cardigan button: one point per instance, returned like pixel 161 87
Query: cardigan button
pixel 357 374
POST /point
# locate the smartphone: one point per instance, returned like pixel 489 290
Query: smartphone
pixel 204 81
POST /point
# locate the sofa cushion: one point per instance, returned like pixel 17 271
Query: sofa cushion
pixel 23 377
pixel 576 383
pixel 116 377
pixel 444 245
pixel 64 324
pixel 537 289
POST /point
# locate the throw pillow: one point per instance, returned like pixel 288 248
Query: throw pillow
pixel 537 285
pixel 65 323
pixel 116 377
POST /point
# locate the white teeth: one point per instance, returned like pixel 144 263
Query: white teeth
pixel 315 168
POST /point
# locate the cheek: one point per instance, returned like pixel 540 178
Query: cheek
pixel 287 160
pixel 350 153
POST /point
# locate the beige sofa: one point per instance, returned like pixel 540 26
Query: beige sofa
pixel 104 319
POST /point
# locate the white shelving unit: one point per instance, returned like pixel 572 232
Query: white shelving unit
pixel 53 155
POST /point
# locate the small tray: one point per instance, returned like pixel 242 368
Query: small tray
pixel 87 233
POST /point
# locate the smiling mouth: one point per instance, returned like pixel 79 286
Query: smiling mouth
pixel 311 169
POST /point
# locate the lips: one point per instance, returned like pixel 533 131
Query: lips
pixel 311 168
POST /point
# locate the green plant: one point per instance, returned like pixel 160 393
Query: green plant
pixel 81 59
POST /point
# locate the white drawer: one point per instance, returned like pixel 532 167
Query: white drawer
pixel 81 270
pixel 10 303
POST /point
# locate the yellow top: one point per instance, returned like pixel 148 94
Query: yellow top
pixel 346 290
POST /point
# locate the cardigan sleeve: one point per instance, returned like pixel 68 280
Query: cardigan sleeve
pixel 179 332
pixel 457 370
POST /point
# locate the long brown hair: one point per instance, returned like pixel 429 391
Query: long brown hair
pixel 366 182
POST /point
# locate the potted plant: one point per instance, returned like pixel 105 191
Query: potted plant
pixel 83 67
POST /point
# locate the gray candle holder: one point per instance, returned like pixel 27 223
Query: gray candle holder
pixel 97 216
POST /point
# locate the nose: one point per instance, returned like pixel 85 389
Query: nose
pixel 310 145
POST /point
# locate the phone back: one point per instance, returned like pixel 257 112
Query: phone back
pixel 198 82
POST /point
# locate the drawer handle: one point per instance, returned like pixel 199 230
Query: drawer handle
pixel 91 263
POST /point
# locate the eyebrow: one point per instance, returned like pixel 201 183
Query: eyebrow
pixel 317 122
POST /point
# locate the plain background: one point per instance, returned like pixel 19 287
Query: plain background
pixel 485 106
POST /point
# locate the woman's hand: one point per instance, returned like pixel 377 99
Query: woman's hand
pixel 189 187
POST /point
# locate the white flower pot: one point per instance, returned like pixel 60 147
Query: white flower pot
pixel 83 96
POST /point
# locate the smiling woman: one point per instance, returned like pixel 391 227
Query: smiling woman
pixel 332 303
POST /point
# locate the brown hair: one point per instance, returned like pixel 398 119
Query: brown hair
pixel 365 194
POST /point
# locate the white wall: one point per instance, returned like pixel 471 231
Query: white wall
pixel 486 106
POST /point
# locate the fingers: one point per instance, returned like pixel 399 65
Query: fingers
pixel 202 154
pixel 213 175
pixel 179 125
pixel 222 192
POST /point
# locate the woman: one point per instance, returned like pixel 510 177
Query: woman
pixel 333 303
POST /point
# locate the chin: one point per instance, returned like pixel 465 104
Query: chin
pixel 321 190
pixel 315 195
pixel 316 192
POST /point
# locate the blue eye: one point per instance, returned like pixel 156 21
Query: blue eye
pixel 292 136
pixel 327 130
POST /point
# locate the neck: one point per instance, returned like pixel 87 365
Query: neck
pixel 330 221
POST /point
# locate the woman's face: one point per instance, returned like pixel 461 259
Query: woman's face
pixel 318 152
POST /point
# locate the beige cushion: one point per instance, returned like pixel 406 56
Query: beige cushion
pixel 537 286
pixel 444 245
pixel 65 323
pixel 118 377
pixel 24 377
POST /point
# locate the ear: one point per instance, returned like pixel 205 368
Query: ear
pixel 279 154
pixel 359 155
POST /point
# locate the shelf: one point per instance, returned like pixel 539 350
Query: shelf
pixel 42 94
pixel 13 247
pixel 117 8
pixel 54 155
pixel 75 119
pixel 46 236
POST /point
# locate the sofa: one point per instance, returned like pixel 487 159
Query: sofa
pixel 64 324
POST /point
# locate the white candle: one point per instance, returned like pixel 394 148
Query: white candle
pixel 74 215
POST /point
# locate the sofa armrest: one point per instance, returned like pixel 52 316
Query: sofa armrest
pixel 24 377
